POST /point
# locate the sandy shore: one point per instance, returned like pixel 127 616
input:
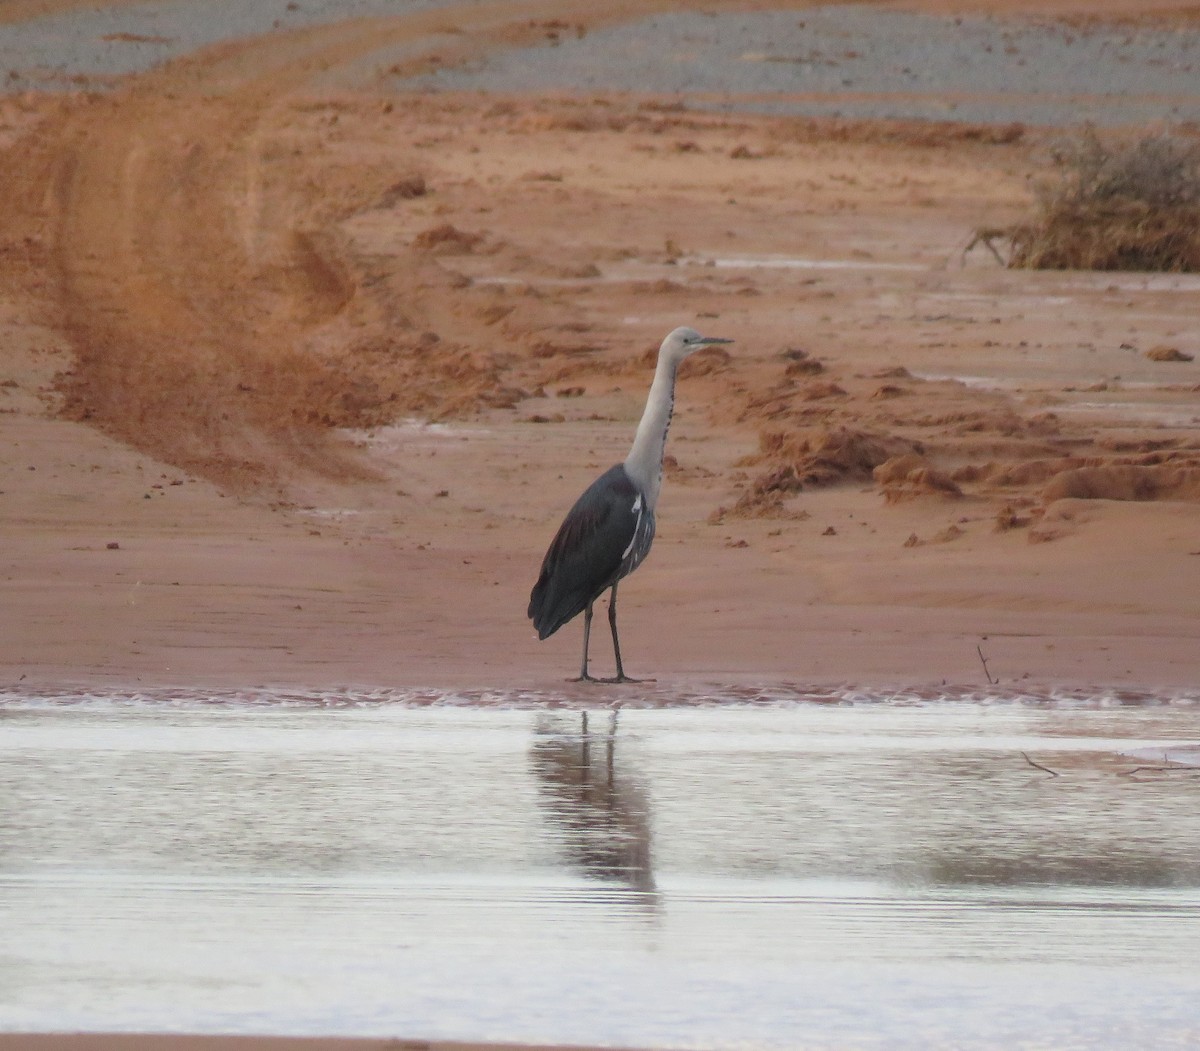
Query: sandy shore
pixel 235 290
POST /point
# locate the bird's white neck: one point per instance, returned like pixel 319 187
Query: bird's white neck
pixel 644 464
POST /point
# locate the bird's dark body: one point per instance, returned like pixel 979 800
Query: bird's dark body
pixel 603 539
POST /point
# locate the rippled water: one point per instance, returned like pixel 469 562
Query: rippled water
pixel 745 875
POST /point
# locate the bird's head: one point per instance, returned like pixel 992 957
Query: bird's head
pixel 684 341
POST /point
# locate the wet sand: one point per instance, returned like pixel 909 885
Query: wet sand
pixel 233 289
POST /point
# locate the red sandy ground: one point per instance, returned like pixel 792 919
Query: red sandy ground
pixel 226 285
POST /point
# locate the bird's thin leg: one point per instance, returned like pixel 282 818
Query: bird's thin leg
pixel 612 623
pixel 587 631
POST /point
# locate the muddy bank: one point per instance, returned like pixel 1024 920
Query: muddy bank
pixel 300 378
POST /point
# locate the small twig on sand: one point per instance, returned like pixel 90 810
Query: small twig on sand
pixel 1038 766
pixel 983 661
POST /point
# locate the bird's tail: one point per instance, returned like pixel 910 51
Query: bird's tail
pixel 549 610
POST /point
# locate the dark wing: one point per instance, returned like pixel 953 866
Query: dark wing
pixel 586 554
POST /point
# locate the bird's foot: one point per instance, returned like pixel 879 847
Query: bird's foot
pixel 608 681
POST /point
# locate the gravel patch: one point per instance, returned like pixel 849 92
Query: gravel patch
pixel 71 50
pixel 857 61
pixel 845 60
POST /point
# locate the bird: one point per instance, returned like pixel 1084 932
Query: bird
pixel 608 532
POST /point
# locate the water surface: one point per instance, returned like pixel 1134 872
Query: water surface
pixel 766 875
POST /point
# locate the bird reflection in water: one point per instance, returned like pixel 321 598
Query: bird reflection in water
pixel 603 817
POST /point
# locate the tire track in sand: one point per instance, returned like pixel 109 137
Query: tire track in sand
pixel 184 268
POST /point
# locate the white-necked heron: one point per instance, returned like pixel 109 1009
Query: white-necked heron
pixel 608 532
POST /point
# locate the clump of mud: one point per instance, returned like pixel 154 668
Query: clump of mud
pixel 791 461
pixel 908 476
pixel 1126 482
pixel 823 456
pixel 819 425
pixel 446 239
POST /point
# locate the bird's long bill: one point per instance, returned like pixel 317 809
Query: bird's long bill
pixel 709 341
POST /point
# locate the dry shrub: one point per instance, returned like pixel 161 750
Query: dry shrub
pixel 1116 206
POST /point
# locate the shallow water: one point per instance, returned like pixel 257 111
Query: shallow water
pixel 769 874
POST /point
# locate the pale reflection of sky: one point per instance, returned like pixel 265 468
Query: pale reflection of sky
pixel 878 875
